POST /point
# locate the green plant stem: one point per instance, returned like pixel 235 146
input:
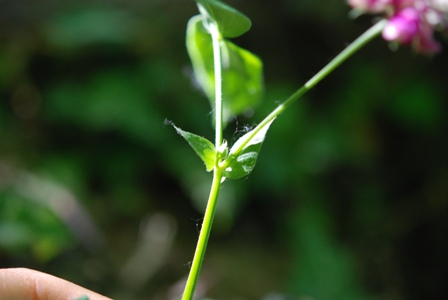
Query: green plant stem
pixel 216 37
pixel 203 236
pixel 217 172
pixel 357 44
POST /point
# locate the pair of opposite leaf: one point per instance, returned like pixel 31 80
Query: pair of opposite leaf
pixel 242 85
pixel 238 162
pixel 242 74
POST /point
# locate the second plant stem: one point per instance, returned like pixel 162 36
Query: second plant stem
pixel 357 44
pixel 221 166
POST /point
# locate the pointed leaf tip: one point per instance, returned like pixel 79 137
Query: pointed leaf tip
pixel 244 153
pixel 203 147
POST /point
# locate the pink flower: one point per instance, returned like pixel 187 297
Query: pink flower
pixel 410 21
pixel 402 27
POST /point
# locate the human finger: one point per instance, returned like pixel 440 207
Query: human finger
pixel 27 284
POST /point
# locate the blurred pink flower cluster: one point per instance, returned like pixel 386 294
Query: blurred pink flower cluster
pixel 410 21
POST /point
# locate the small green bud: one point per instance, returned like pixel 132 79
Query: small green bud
pixel 223 150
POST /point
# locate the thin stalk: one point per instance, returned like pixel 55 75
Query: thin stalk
pixel 357 44
pixel 216 37
pixel 217 172
pixel 203 236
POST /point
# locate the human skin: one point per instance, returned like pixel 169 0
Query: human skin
pixel 26 284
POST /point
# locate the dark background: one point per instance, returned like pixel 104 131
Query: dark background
pixel 349 199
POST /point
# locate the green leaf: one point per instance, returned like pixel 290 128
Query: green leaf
pixel 242 71
pixel 203 147
pixel 244 153
pixel 84 297
pixel 231 23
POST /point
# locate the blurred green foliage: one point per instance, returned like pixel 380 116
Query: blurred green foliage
pixel 349 199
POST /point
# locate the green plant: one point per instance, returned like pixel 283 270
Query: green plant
pixel 231 77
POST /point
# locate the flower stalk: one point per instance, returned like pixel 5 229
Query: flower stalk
pixel 351 49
